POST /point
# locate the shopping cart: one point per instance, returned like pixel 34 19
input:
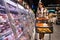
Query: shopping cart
pixel 43 27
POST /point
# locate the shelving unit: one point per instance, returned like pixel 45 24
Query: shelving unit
pixel 19 22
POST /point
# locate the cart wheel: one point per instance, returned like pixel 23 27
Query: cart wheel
pixel 41 36
pixel 56 23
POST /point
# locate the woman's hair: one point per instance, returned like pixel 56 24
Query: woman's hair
pixel 41 4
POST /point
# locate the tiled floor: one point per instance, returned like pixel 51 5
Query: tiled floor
pixel 55 35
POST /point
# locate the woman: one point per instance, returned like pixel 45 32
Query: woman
pixel 41 11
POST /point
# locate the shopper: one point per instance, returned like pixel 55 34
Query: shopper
pixel 41 11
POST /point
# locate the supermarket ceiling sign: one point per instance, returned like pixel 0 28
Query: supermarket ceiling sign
pixel 45 30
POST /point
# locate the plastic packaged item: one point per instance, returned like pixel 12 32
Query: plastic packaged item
pixel 1 37
pixel 9 37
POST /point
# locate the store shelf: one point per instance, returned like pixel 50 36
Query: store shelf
pixel 19 36
pixel 6 33
pixel 2 6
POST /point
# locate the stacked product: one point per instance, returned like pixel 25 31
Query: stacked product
pixel 5 30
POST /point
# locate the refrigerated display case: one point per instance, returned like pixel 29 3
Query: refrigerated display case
pixel 5 30
pixel 19 22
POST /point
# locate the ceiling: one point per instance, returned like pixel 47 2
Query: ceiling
pixel 32 2
pixel 46 2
